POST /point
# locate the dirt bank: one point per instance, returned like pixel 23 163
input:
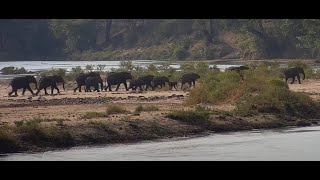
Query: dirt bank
pixel 42 123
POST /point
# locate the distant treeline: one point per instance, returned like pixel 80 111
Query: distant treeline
pixel 158 39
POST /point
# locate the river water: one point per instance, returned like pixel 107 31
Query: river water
pixel 36 66
pixel 290 144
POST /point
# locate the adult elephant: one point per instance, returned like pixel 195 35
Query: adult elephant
pixel 160 81
pixel 81 78
pixel 294 72
pixel 239 70
pixel 189 78
pixel 93 81
pixel 117 78
pixel 51 81
pixel 22 83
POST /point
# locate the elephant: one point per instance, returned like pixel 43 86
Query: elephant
pixel 51 81
pixel 238 70
pixel 22 82
pixel 160 81
pixel 173 84
pixel 147 81
pixel 93 81
pixel 81 78
pixel 293 72
pixel 117 78
pixel 189 78
pixel 134 84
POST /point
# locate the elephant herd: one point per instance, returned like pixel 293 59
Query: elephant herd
pixel 93 79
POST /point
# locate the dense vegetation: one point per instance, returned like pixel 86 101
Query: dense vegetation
pixel 161 39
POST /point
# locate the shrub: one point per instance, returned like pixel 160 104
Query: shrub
pixel 91 115
pixel 194 117
pixel 114 109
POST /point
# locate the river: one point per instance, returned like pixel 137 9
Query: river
pixel 289 144
pixel 36 66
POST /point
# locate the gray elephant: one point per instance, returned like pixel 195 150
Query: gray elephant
pixel 189 78
pixel 93 81
pixel 160 81
pixel 239 70
pixel 294 72
pixel 81 78
pixel 51 81
pixel 147 81
pixel 173 84
pixel 135 83
pixel 117 78
pixel 22 83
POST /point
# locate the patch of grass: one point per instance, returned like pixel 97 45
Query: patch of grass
pixel 37 120
pixel 278 101
pixel 194 117
pixel 103 125
pixel 45 136
pixel 91 115
pixel 141 108
pixel 7 142
pixel 114 109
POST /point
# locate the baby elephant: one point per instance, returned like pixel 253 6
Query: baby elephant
pixel 134 84
pixel 173 84
pixel 93 81
pixel 50 81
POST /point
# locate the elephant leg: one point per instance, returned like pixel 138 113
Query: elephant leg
pixel 190 84
pixel 110 89
pixel 51 90
pixel 45 91
pixel 125 85
pixel 23 91
pixel 13 90
pixel 29 88
pixel 175 87
pixel 75 89
pixel 80 89
pixel 299 79
pixel 57 89
pixel 141 89
pixel 38 91
pixel 293 79
pixel 118 86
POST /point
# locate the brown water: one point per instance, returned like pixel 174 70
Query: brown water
pixel 265 145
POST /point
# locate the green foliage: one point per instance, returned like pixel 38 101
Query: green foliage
pixel 45 136
pixel 59 71
pixel 8 142
pixel 13 70
pixel 100 67
pixel 126 65
pixel 141 108
pixel 195 117
pixel 89 68
pixel 114 109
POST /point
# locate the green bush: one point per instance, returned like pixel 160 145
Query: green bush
pixel 13 70
pixel 114 109
pixel 194 117
pixel 7 142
